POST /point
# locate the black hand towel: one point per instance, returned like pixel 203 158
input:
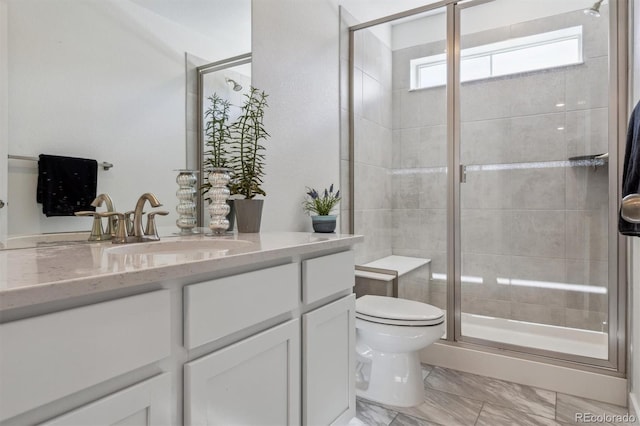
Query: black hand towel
pixel 631 170
pixel 66 184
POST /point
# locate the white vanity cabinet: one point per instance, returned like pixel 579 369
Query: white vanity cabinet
pixel 256 380
pixel 298 372
pixel 259 341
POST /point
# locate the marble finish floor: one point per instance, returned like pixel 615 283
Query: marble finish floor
pixel 454 398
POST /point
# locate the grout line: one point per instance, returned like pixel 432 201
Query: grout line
pixel 394 418
pixel 479 412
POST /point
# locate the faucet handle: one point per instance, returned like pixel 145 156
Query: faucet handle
pixel 152 232
pixel 97 234
pixel 128 217
pixel 120 236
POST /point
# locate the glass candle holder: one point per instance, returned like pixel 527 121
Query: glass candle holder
pixel 219 178
pixel 186 195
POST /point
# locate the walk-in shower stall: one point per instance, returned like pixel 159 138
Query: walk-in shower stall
pixel 484 150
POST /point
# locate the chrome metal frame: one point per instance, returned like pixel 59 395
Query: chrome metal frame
pixel 454 174
pixel 352 144
pixel 618 112
pixel 618 117
pixel 202 71
pixel 632 48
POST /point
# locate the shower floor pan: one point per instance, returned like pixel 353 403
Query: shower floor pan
pixel 567 340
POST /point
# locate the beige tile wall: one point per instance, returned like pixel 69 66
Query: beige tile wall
pixel 373 147
pixel 540 223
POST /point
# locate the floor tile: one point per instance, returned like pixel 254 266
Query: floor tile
pixel 445 408
pixel 373 415
pixel 568 406
pixel 404 420
pixel 499 392
pixel 356 422
pixel 426 369
pixel 494 415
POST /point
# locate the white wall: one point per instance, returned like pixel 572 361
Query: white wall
pixel 295 48
pixel 103 80
pixel 4 118
pixel 491 15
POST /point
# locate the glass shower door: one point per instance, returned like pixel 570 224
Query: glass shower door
pixel 400 154
pixel 534 191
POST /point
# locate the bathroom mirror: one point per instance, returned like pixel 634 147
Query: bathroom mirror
pixel 230 79
pixel 108 80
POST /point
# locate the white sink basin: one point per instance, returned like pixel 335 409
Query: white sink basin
pixel 178 247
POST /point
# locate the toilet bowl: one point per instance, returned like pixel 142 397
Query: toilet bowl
pixel 390 333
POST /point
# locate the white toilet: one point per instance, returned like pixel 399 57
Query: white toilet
pixel 390 334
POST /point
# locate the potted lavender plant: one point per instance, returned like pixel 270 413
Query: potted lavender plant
pixel 322 205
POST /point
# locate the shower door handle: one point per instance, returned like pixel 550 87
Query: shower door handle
pixel 630 209
pixel 463 173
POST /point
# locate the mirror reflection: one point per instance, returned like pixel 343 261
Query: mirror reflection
pixel 230 80
pixel 107 80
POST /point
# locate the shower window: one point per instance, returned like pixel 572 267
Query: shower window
pixel 517 55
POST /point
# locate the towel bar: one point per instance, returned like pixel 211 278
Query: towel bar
pixel 104 164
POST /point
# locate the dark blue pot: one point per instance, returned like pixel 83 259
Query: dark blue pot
pixel 324 224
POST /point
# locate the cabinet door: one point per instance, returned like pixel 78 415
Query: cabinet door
pixel 147 403
pixel 328 374
pixel 253 382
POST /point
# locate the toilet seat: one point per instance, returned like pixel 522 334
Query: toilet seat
pixel 402 312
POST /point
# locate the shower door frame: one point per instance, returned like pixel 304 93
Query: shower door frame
pixel 618 111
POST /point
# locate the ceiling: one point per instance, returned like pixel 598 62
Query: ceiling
pixel 367 10
pixel 216 19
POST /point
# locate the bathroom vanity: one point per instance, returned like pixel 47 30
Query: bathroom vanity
pixel 250 329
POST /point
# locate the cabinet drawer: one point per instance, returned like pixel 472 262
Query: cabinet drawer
pixel 146 403
pixel 50 356
pixel 217 308
pixel 327 275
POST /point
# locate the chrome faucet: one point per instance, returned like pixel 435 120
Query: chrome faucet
pixel 138 233
pixel 111 225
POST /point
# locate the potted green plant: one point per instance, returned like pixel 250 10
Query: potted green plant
pixel 246 158
pixel 216 156
pixel 322 205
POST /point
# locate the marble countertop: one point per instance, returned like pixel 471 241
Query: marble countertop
pixel 48 273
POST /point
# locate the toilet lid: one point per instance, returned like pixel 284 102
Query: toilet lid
pixel 397 311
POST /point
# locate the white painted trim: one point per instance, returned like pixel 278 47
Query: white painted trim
pixel 600 387
pixel 634 407
pixel 401 264
pixel 4 120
